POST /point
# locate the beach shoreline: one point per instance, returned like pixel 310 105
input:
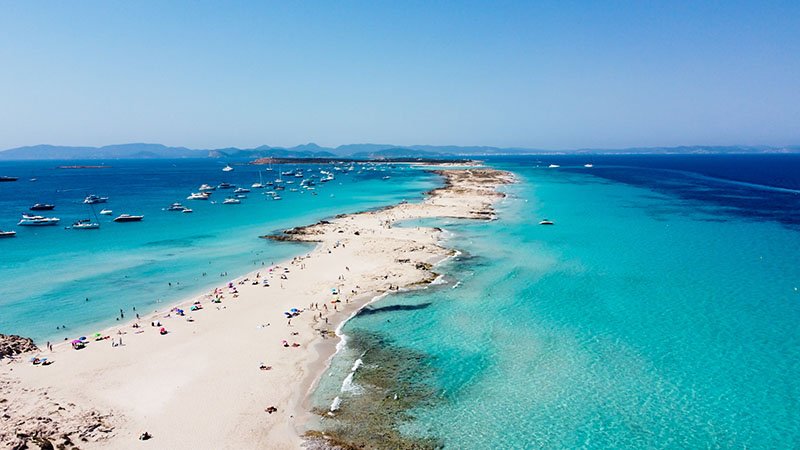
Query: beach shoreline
pixel 186 365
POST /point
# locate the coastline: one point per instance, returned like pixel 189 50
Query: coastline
pixel 194 357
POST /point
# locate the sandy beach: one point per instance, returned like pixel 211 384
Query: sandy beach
pixel 212 379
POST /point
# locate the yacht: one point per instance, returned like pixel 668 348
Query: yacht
pixel 206 187
pixel 187 210
pixel 546 222
pixel 196 196
pixel 4 178
pixel 176 207
pixel 241 190
pixel 106 212
pixel 224 186
pixel 240 195
pixel 231 201
pixel 92 199
pixel 37 221
pixel 588 166
pixel 42 207
pixel 128 218
pixel 553 166
pixel 227 168
pixel 85 224
pixel 5 234
pixel 276 197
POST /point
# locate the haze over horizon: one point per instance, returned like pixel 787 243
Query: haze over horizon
pixel 551 76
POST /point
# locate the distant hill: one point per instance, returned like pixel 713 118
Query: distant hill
pixel 399 152
pixel 358 151
pixel 138 151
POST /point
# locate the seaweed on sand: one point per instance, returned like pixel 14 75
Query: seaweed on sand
pixel 394 381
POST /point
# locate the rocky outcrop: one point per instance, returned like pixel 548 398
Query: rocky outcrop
pixel 42 422
pixel 12 345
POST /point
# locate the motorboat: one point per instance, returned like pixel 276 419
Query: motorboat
pixel 276 197
pixel 106 212
pixel 227 168
pixel 37 221
pixel 241 195
pixel 546 222
pixel 93 199
pixel 6 179
pixel 206 187
pixel 553 166
pixel 42 207
pixel 85 224
pixel 588 166
pixel 198 196
pixel 6 234
pixel 128 218
pixel 231 201
pixel 176 207
pixel 187 210
pixel 241 190
pixel 225 186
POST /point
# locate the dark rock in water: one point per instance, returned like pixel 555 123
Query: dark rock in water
pixel 12 345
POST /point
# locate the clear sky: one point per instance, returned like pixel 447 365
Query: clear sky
pixel 554 75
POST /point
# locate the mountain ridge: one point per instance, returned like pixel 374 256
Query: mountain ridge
pixel 357 151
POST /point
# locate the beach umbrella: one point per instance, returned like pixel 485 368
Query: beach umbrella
pixel 83 338
pixel 76 341
pixel 294 310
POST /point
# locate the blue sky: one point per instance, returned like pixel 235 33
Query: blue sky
pixel 553 75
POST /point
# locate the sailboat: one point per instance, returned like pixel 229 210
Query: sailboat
pixel 260 184
pixel 87 224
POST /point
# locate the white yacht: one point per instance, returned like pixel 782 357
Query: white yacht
pixel 106 212
pixel 85 224
pixel 206 187
pixel 37 221
pixel 227 168
pixel 553 166
pixel 231 201
pixel 92 199
pixel 197 196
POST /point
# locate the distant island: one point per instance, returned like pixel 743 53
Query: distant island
pixel 349 151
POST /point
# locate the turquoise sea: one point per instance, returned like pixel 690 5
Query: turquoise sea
pixel 48 273
pixel 661 311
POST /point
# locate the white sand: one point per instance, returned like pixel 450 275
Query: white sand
pixel 200 386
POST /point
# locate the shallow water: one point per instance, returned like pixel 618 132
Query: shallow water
pixel 660 311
